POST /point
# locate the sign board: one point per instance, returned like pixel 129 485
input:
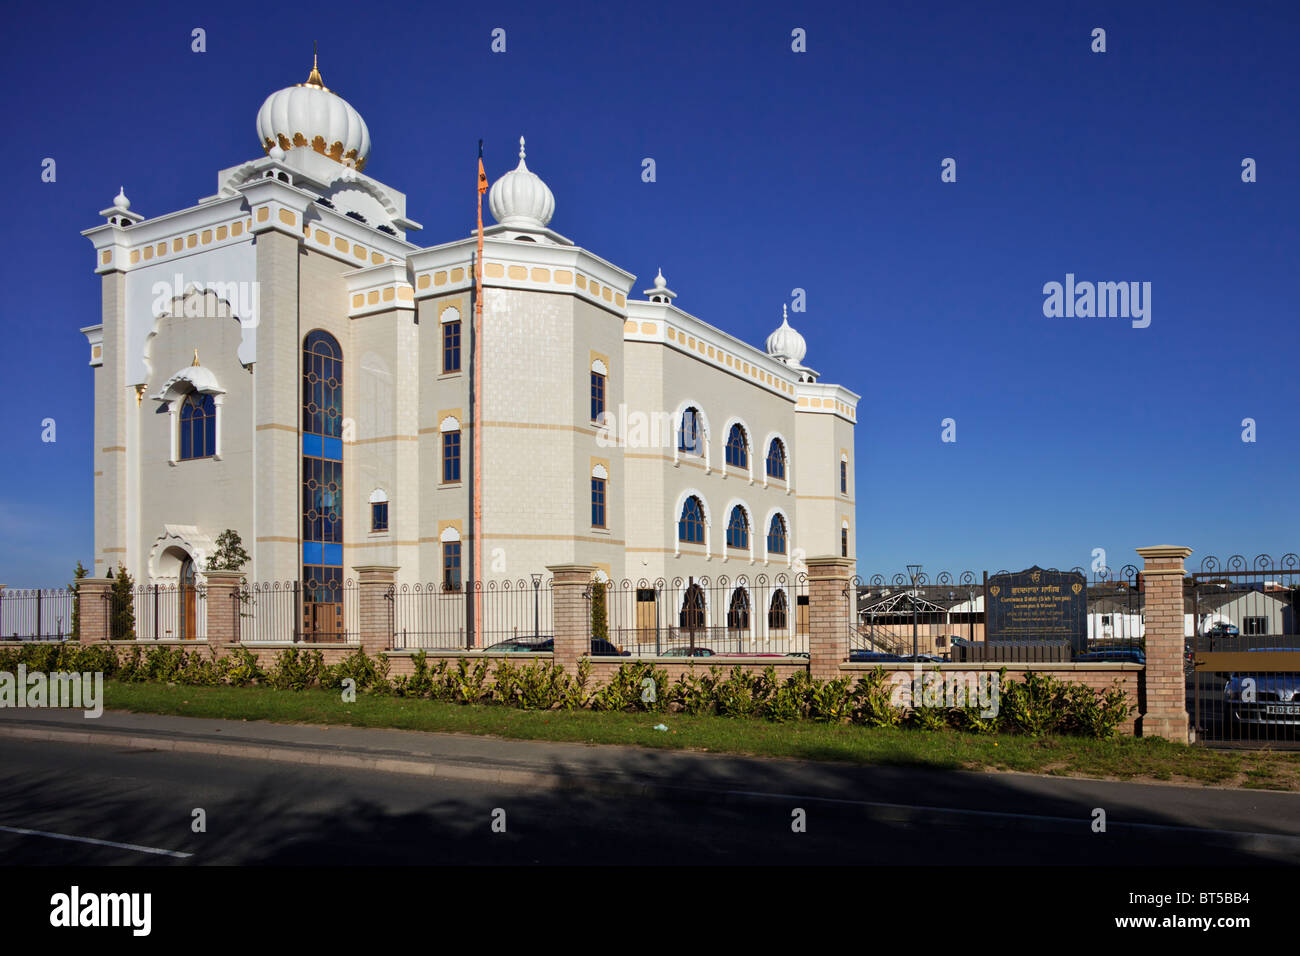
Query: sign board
pixel 1038 605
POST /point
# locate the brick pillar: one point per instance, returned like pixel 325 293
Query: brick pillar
pixel 830 613
pixel 92 598
pixel 1165 713
pixel 222 606
pixel 375 582
pixel 571 612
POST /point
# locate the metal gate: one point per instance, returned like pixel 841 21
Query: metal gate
pixel 1243 655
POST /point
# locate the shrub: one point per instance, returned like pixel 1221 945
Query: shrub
pixel 626 689
pixel 873 700
pixel 830 701
pixel 295 670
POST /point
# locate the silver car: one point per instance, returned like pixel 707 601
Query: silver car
pixel 1272 699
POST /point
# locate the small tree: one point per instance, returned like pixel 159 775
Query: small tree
pixel 75 587
pixel 599 616
pixel 230 554
pixel 122 613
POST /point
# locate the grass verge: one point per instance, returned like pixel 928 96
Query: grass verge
pixel 1124 758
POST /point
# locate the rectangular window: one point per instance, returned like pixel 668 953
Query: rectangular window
pixel 451 347
pixel 450 457
pixel 379 516
pixel 844 542
pixel 597 396
pixel 844 477
pixel 598 502
pixel 451 565
pixel 1254 625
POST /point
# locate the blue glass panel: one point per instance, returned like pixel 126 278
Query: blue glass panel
pixel 332 449
pixel 332 554
pixel 311 445
pixel 311 552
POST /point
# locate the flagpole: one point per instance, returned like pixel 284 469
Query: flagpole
pixel 477 417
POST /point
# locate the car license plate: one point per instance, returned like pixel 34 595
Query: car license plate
pixel 1282 709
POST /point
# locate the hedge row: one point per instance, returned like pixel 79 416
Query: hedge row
pixel 1036 705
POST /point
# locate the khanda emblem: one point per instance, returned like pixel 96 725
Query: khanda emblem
pixel 1076 587
pixel 994 590
pixel 1035 576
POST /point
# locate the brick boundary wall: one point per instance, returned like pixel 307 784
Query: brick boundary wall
pixel 571 613
pixel 375 612
pixel 830 614
pixel 1164 690
pixel 92 599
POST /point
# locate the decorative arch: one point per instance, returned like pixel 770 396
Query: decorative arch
pixel 194 380
pixel 704 424
pixel 775 436
pixel 738 506
pixel 708 520
pixel 746 445
pixel 774 514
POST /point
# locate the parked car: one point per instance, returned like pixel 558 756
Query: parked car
pixel 1132 655
pixel 685 650
pixel 873 657
pixel 922 658
pixel 1276 697
pixel 520 645
pixel 599 647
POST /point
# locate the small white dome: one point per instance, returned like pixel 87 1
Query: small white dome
pixel 785 344
pixel 310 115
pixel 120 200
pixel 520 198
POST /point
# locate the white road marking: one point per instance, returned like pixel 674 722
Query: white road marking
pixel 76 839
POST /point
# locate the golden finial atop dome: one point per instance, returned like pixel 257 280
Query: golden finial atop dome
pixel 314 78
pixel 196 359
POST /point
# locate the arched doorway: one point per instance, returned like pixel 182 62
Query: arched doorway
pixel 185 596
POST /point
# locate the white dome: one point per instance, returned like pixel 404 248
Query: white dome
pixel 520 198
pixel 785 344
pixel 311 115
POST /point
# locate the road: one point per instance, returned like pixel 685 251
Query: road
pixel 264 811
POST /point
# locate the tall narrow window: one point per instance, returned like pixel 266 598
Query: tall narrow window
pixel 597 396
pixel 738 610
pixel 451 346
pixel 198 427
pixel 322 487
pixel 844 476
pixel 844 542
pixel 737 448
pixel 451 565
pixel 778 615
pixel 776 459
pixel 378 510
pixel 690 528
pixel 690 437
pixel 597 501
pixel 451 456
pixel 738 529
pixel 776 536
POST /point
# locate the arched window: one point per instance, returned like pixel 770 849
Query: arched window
pixel 690 437
pixel 692 613
pixel 737 447
pixel 450 539
pixel 598 381
pixel 776 536
pixel 450 429
pixel 738 528
pixel 778 613
pixel 198 427
pixel 738 610
pixel 599 479
pixel 844 539
pixel 690 528
pixel 378 510
pixel 322 487
pixel 776 459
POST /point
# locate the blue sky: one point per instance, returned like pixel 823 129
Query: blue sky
pixel 775 170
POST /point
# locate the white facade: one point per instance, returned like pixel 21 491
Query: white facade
pixel 206 312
